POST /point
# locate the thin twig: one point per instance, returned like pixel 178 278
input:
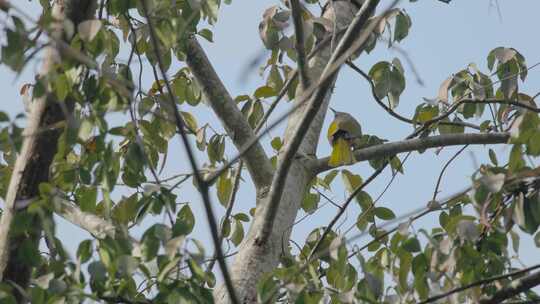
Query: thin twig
pixel 344 207
pixel 325 77
pixel 436 191
pixel 348 45
pixel 423 212
pixel 136 129
pixel 180 124
pixel 479 283
pixel 366 212
pixel 228 211
pixel 388 109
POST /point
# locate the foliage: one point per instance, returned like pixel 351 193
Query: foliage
pixel 111 168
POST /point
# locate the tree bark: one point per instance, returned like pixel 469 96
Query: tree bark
pixel 253 260
pixel 417 144
pixel 33 162
pixel 514 288
pixel 236 125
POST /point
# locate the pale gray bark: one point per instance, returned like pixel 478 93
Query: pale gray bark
pixel 252 260
pixel 93 224
pixel 513 289
pixel 236 125
pixel 393 148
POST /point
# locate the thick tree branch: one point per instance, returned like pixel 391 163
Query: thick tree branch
pixel 320 47
pixel 236 125
pixel 522 285
pixel 252 260
pixel 348 45
pixel 392 148
pixel 93 224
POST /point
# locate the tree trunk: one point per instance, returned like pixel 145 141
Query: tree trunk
pixel 253 260
pixel 20 230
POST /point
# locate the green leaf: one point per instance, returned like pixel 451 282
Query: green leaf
pixel 4 116
pixel 384 213
pixel 256 113
pixel 493 157
pixel 516 161
pixel 216 148
pixel 411 245
pixel 276 143
pixel 403 24
pixel 185 221
pixel 126 210
pixel 405 260
pixel 425 113
pixel 352 181
pixel 224 189
pixel 85 130
pixel 242 217
pixel 264 92
pixel 86 197
pixel 97 271
pixel 274 79
pixel 61 85
pixel 388 80
pixel 84 252
pixel 380 74
pixel 190 121
pixel 238 233
pixel 420 265
pixel 396 164
pixel 329 178
pixel 126 265
pixel 310 202
pixel 206 34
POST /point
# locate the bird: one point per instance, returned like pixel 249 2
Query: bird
pixel 344 134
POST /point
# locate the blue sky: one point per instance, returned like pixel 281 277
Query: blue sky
pixel 443 39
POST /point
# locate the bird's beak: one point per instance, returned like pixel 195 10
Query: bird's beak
pixel 332 110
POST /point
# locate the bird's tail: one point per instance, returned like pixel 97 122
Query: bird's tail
pixel 341 153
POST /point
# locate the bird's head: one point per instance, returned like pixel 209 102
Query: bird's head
pixel 338 113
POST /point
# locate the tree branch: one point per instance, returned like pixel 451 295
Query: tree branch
pixel 236 125
pixel 480 283
pixel 203 187
pixel 93 224
pixel 299 45
pixel 439 179
pixel 32 165
pixel 228 211
pixel 392 112
pixel 341 210
pixel 512 290
pixel 431 207
pixel 347 43
pixel 392 148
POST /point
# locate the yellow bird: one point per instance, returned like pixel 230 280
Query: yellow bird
pixel 344 134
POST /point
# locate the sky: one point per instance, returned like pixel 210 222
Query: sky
pixel 444 39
